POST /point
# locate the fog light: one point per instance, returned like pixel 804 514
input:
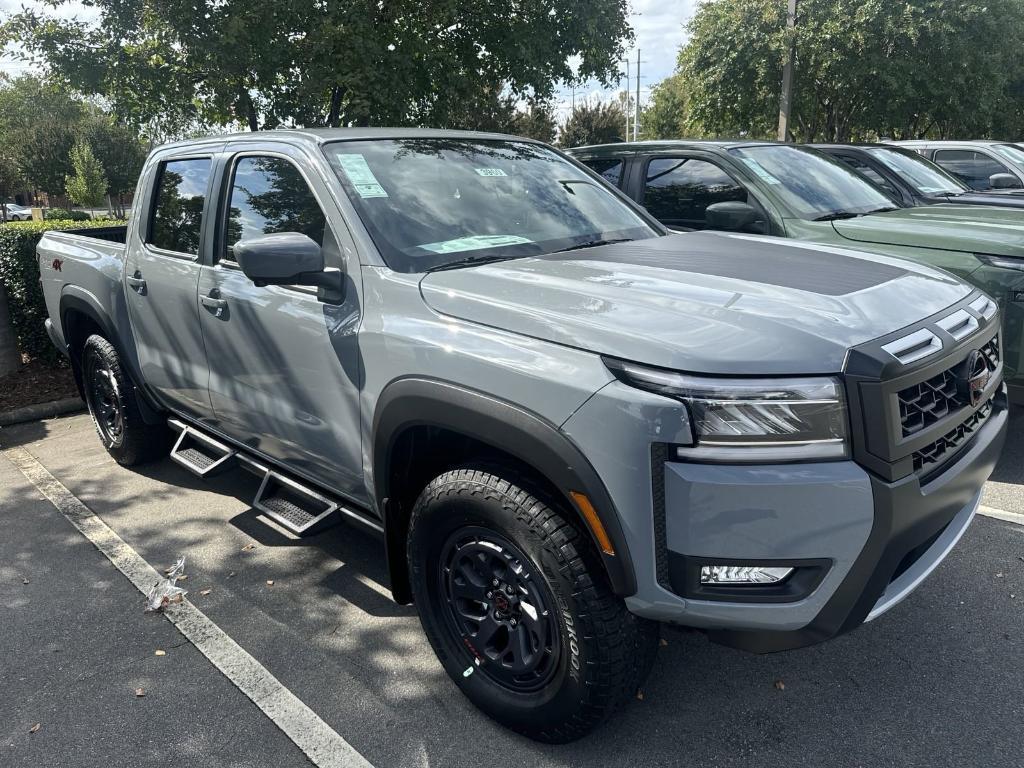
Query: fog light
pixel 742 574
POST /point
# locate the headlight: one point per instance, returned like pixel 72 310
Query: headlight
pixel 751 420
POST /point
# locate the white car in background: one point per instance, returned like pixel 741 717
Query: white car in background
pixel 17 212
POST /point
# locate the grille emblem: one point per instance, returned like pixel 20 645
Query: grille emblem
pixel 973 378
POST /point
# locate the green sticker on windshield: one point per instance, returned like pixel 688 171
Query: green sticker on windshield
pixel 490 172
pixel 755 166
pixel 474 243
pixel 359 173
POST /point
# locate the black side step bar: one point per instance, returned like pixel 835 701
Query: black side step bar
pixel 288 502
pixel 197 452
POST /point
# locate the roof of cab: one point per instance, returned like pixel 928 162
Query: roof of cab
pixel 319 136
pixel 667 145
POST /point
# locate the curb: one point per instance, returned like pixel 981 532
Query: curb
pixel 41 411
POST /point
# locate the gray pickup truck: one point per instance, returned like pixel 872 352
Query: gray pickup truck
pixel 566 424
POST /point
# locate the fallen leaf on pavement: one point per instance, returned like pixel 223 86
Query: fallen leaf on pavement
pixel 270 582
pixel 159 652
pixel 205 592
pixel 140 692
pixel 35 727
pixel 640 695
pixel 248 547
pixel 779 685
pixel 663 642
pixel 183 577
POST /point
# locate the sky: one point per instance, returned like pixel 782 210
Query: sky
pixel 658 25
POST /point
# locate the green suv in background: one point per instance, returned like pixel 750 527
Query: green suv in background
pixel 762 188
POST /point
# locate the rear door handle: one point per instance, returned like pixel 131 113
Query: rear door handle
pixel 136 282
pixel 214 302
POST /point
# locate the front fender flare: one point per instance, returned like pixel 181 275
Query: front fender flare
pixel 413 402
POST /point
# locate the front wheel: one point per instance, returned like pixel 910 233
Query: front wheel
pixel 516 605
pixel 110 397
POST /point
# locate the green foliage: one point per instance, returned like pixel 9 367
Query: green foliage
pixel 19 272
pixel 667 114
pixel 119 150
pixel 501 113
pixel 65 214
pixel 864 68
pixel 10 176
pixel 597 123
pixel 263 63
pixel 88 185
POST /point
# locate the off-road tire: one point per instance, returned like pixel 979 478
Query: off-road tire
pixel 605 651
pixel 133 441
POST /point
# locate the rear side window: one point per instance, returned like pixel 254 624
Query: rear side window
pixel 678 190
pixel 972 168
pixel 177 216
pixel 610 169
pixel 269 195
pixel 870 174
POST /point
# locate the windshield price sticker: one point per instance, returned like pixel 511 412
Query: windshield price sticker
pixel 761 172
pixel 490 172
pixel 474 243
pixel 360 175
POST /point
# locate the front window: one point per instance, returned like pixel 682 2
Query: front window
pixel 926 177
pixel 678 190
pixel 812 184
pixel 429 203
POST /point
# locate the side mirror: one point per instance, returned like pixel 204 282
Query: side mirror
pixel 282 258
pixel 730 216
pixel 1004 181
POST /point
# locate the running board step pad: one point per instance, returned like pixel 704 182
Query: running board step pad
pixel 197 452
pixel 294 506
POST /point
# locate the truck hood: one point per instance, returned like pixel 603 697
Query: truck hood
pixel 701 302
pixel 970 228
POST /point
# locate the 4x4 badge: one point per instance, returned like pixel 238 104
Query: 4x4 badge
pixel 974 379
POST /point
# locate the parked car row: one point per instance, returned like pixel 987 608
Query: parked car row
pixel 566 422
pixel 838 196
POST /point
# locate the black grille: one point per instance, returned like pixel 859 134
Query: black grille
pixel 935 452
pixel 929 401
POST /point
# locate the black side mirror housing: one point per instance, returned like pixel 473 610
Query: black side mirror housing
pixel 732 216
pixel 1004 181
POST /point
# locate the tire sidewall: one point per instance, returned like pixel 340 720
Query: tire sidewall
pixel 436 518
pixel 95 350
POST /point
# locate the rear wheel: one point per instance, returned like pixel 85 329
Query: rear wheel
pixel 110 397
pixel 515 603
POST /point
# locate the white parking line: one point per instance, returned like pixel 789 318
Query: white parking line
pixel 321 744
pixel 1001 514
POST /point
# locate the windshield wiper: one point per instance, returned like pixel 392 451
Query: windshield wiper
pixel 837 215
pixel 593 244
pixel 883 209
pixel 469 261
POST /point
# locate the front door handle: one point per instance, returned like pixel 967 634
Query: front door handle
pixel 136 282
pixel 215 302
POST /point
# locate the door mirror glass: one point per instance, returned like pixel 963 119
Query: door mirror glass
pixel 731 216
pixel 280 258
pixel 1004 181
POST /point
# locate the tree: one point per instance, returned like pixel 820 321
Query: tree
pixel 667 114
pixel 10 176
pixel 263 63
pixel 41 120
pixel 864 68
pixel 88 185
pixel 119 150
pixel 497 112
pixel 594 123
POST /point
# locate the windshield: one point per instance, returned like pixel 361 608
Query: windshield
pixel 430 203
pixel 1011 153
pixel 926 177
pixel 812 184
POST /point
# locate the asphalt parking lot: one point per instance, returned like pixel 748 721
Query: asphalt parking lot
pixel 937 681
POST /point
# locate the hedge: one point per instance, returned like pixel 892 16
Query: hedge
pixel 19 272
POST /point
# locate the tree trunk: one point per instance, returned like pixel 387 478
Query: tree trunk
pixel 10 357
pixel 334 113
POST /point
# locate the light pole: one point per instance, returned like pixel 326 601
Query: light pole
pixel 786 98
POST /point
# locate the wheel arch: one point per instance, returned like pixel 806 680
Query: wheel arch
pixel 421 406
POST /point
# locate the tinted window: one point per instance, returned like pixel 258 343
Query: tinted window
pixel 178 205
pixel 812 184
pixel 428 203
pixel 679 190
pixel 870 174
pixel 923 175
pixel 268 195
pixel 611 170
pixel 972 168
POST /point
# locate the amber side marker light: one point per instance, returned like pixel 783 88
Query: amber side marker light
pixel 590 515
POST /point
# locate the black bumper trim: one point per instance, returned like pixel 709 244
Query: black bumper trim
pixel 907 515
